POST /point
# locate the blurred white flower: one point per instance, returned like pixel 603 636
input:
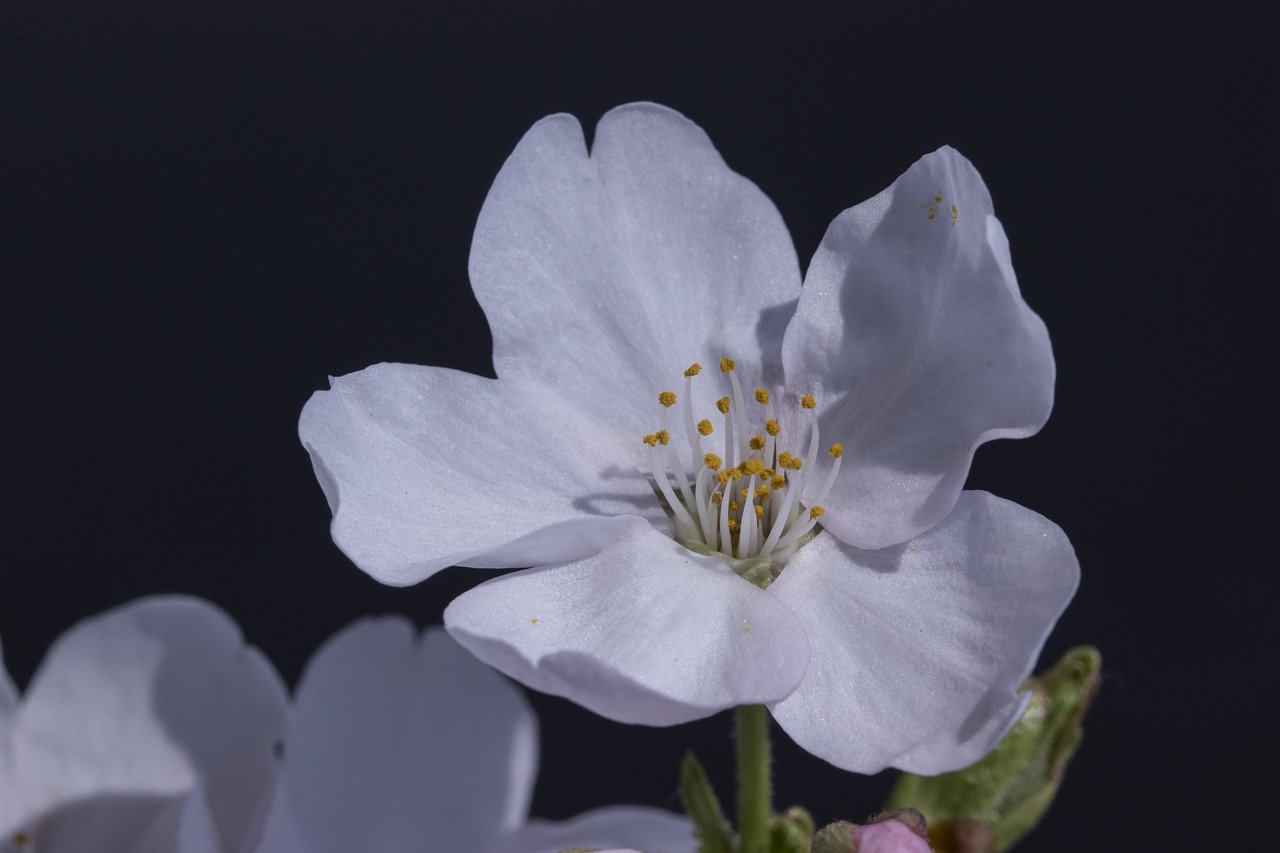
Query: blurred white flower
pixel 401 743
pixel 148 729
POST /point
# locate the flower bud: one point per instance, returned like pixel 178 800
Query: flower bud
pixel 897 831
pixel 993 803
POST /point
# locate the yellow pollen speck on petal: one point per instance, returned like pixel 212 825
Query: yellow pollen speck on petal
pixel 771 427
pixel 664 437
pixel 712 461
pixel 667 398
pixel 533 621
pixel 723 405
pixel 753 466
pixel 777 482
pixel 762 396
pixel 937 199
pixel 694 369
pixel 955 214
pixel 651 440
pixel 817 512
pixel 747 628
pixel 756 442
pixel 837 450
pixel 759 511
pixel 808 402
pixel 727 365
pixel 704 427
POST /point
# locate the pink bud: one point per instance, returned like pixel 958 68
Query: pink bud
pixel 889 836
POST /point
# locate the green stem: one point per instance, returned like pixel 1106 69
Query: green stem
pixel 755 792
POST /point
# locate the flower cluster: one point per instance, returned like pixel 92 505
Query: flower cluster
pixel 153 729
pixel 698 545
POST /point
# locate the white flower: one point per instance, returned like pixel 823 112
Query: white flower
pixel 900 633
pixel 148 729
pixel 400 743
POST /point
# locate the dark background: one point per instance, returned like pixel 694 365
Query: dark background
pixel 210 207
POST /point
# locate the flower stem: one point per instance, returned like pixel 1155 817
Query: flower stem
pixel 755 793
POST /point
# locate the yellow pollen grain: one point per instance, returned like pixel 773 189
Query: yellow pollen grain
pixel 771 427
pixel 667 398
pixel 777 482
pixel 937 199
pixel 762 396
pixel 712 461
pixel 753 466
pixel 756 442
pixel 694 369
pixel 817 512
pixel 533 621
pixel 664 437
pixel 727 365
pixel 704 427
pixel 651 440
pixel 837 450
pixel 723 405
pixel 808 402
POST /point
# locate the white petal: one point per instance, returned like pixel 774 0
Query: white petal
pixel 919 650
pixel 632 827
pixel 613 273
pixel 401 744
pixel 426 468
pixel 912 333
pixel 138 704
pixel 644 632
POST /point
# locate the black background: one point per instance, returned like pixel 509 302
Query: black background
pixel 210 207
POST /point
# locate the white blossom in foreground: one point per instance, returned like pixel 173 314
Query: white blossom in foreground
pixel 148 729
pixel 401 743
pixel 734 490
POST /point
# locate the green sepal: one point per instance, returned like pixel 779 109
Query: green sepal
pixel 710 827
pixel 791 831
pixel 1011 789
pixel 834 838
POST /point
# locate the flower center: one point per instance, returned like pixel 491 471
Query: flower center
pixel 752 502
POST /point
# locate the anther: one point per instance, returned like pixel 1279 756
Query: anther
pixel 752 466
pixel 808 402
pixel 694 369
pixel 727 365
pixel 762 396
pixel 667 398
pixel 723 405
pixel 712 461
pixel 651 440
pixel 771 427
pixel 664 437
pixel 756 442
pixel 778 482
pixel 837 450
pixel 704 427
pixel 817 512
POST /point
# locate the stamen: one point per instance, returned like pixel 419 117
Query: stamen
pixel 762 396
pixel 727 365
pixel 667 398
pixel 712 461
pixel 705 427
pixel 771 427
pixel 756 442
pixel 694 369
